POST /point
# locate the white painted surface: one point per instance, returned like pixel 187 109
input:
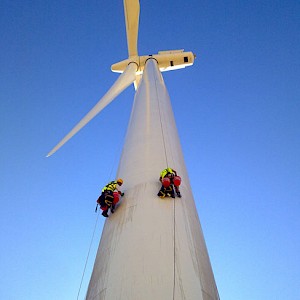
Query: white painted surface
pixel 152 248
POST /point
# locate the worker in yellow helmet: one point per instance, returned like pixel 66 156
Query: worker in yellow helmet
pixel 106 198
pixel 168 189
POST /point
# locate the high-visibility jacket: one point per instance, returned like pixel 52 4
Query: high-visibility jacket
pixel 166 171
pixel 110 186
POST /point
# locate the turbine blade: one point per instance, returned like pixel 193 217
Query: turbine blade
pixel 132 14
pixel 120 84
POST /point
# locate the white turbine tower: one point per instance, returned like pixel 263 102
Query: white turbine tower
pixel 150 248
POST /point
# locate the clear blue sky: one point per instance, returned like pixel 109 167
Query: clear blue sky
pixel 238 116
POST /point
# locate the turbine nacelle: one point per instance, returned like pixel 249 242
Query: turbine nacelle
pixel 167 61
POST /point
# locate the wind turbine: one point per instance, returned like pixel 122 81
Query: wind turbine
pixel 150 248
pixel 131 68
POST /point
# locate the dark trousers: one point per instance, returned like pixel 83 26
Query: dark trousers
pixel 106 199
pixel 166 191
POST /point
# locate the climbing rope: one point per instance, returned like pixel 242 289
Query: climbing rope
pixel 91 242
pixel 174 253
pixel 161 125
pixel 87 258
pixel 166 157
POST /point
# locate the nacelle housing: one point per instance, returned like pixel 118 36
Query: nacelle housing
pixel 167 61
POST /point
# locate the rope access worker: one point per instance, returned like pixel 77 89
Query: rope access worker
pixel 106 198
pixel 170 181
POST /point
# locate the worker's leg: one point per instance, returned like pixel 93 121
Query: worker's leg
pixel 108 200
pixel 171 192
pixel 162 192
pixel 177 191
pixel 112 208
pixel 104 213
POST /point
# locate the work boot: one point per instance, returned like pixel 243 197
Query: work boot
pixel 178 194
pixel 112 210
pixel 104 214
pixel 172 194
pixel 161 195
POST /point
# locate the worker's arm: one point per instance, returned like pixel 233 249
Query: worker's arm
pixel 119 191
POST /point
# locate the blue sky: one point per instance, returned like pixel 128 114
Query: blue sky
pixel 238 116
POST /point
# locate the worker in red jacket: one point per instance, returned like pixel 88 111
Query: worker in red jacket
pixel 170 182
pixel 106 198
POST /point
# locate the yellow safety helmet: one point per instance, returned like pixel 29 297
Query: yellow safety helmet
pixel 120 181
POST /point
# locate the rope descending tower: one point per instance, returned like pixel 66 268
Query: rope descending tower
pixel 149 249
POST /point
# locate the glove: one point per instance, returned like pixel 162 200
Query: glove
pixel 122 194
